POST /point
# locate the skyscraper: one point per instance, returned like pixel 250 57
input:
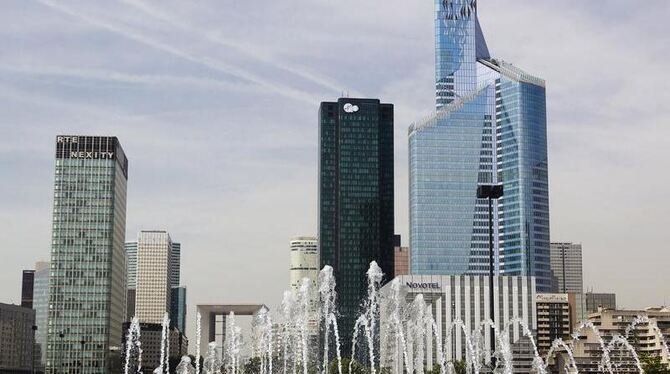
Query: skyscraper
pixel 27 284
pixel 567 276
pixel 356 223
pixel 566 268
pixel 175 265
pixel 178 308
pixel 304 261
pixel 490 128
pixel 87 284
pixel 41 306
pixel 304 264
pixel 154 276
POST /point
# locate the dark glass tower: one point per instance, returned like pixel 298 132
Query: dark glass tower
pixel 87 299
pixel 356 223
pixel 27 285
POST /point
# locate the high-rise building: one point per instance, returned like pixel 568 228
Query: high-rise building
pixel 27 284
pixel 490 128
pixel 178 294
pixel 154 274
pixel 178 308
pixel 175 265
pixel 41 306
pixel 304 261
pixel 553 319
pixel 566 268
pixel 400 257
pixel 88 278
pixel 356 222
pixel 304 264
pixel 16 339
pixel 131 265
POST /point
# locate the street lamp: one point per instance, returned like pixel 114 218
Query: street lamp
pixel 490 192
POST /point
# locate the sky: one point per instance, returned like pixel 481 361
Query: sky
pixel 215 104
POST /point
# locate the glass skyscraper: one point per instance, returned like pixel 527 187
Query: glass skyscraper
pixel 356 222
pixel 88 263
pixel 490 127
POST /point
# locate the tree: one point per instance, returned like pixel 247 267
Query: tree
pixel 653 365
pixel 253 366
pixel 356 367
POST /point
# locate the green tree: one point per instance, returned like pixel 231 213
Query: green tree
pixel 460 367
pixel 356 367
pixel 653 365
pixel 253 366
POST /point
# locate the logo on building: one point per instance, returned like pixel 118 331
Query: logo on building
pixel 350 108
pixel 423 285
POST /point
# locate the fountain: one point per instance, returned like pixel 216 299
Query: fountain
pixel 133 348
pixel 407 329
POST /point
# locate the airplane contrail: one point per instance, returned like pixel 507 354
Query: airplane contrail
pixel 282 90
pixel 239 47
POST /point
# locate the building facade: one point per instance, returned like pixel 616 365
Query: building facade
pixel 643 336
pixel 594 301
pixel 490 128
pixel 400 257
pixel 16 338
pixel 88 280
pixel 154 276
pixel 304 261
pixel 27 284
pixel 566 268
pixel 461 298
pixel 553 319
pixel 356 219
pixel 41 306
pixel 178 308
pixel 151 335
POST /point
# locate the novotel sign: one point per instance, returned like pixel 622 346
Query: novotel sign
pixel 423 285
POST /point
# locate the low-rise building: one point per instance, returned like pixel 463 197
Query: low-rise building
pixel 151 335
pixel 461 298
pixel 640 328
pixel 553 319
pixel 17 342
pixel 594 301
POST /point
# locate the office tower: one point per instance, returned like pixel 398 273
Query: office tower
pixel 175 267
pixel 154 273
pixel 304 264
pixel 594 301
pixel 88 280
pixel 458 297
pixel 178 308
pixel 355 197
pixel 27 283
pixel 490 128
pixel 41 306
pixel 304 261
pixel 131 279
pixel 553 319
pixel 16 338
pixel 566 267
pixel 400 257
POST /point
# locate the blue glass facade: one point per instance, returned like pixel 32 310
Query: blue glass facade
pixel 490 128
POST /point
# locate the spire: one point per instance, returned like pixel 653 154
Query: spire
pixel 482 50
